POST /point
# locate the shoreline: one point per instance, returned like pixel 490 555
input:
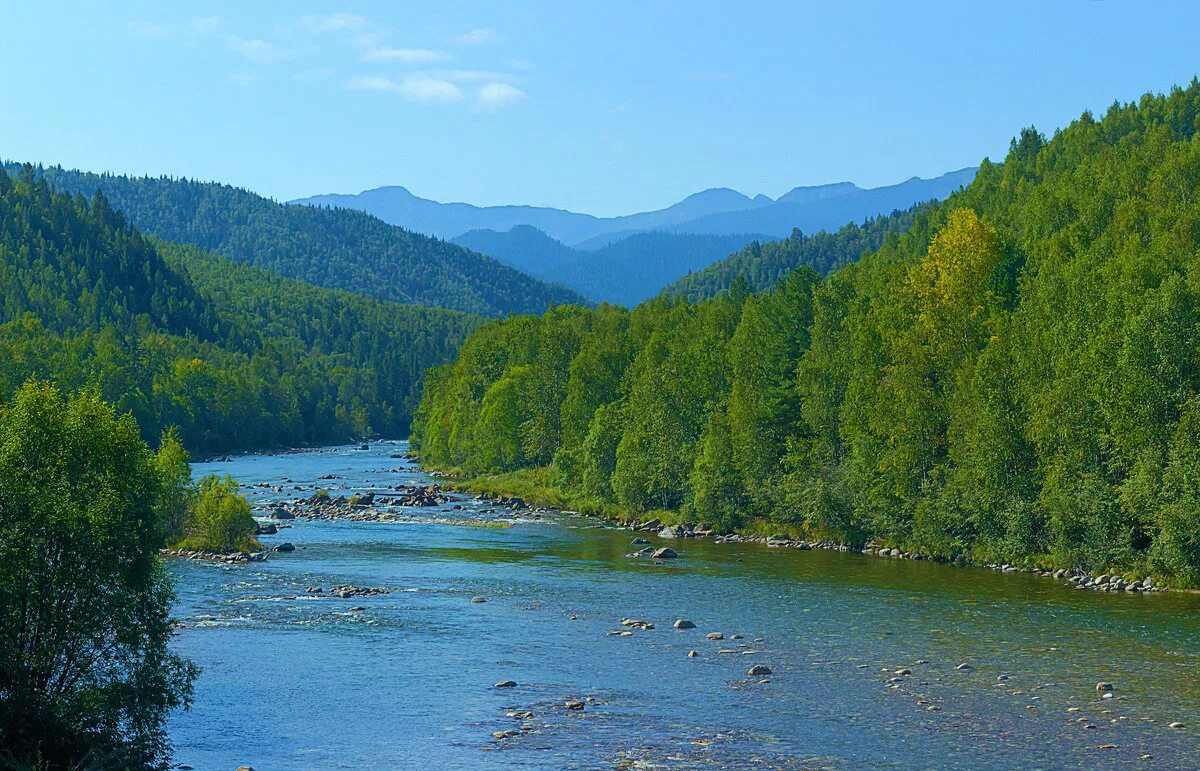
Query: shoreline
pixel 1074 579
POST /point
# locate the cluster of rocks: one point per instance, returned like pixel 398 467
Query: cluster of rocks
pixel 1105 583
pixel 215 556
pixel 346 591
pixel 668 531
pixel 663 553
pixel 504 501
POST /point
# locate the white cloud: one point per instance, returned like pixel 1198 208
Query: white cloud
pixel 470 76
pixel 256 50
pixel 494 95
pixel 475 37
pixel 416 88
pixel 406 55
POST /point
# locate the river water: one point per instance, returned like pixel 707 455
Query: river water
pixel 406 679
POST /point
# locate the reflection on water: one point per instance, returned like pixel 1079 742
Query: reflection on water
pixel 292 679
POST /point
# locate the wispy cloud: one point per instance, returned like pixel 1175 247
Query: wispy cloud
pixel 416 88
pixel 495 95
pixel 405 55
pixel 256 49
pixel 476 37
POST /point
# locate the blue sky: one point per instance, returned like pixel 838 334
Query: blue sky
pixel 606 108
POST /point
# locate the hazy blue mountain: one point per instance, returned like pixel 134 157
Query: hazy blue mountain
pixel 719 211
pixel 627 271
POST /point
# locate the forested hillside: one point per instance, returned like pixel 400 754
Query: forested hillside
pixel 232 355
pixel 1015 378
pixel 626 271
pixel 762 265
pixel 337 248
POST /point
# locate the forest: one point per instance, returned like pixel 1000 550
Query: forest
pixel 1014 377
pixel 335 248
pixel 763 264
pixel 231 355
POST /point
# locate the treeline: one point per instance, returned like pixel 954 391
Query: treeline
pixel 233 356
pixel 337 248
pixel 764 264
pixel 1016 377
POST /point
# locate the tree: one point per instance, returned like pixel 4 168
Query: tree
pixel 86 675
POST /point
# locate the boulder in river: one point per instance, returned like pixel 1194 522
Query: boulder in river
pixel 1103 686
pixel 574 705
pixel 665 553
pixel 759 670
pixel 715 636
pixel 506 684
pixel 285 546
pixel 479 599
pixel 265 528
pixel 683 623
pixel 671 531
pixel 281 513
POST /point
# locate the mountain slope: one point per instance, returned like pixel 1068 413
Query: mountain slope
pixel 625 272
pixel 763 265
pixel 335 248
pixel 234 356
pixel 1015 379
pixel 717 211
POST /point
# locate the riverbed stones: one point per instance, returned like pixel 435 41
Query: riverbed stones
pixel 671 531
pixel 285 547
pixel 964 667
pixel 692 654
pixel 715 636
pixel 639 541
pixel 1104 686
pixel 281 513
pixel 576 706
pixel 683 623
pixel 1176 725
pixel 505 734
pixel 665 553
pixel 759 670
pixel 478 599
pixel 506 684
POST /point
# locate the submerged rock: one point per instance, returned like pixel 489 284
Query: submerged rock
pixel 683 623
pixel 759 670
pixel 479 599
pixel 506 684
pixel 574 705
pixel 665 553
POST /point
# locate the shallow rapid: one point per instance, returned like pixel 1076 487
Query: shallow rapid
pixel 294 679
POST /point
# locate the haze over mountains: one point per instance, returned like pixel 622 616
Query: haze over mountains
pixel 719 211
pixel 631 258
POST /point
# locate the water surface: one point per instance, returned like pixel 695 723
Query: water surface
pixel 292 681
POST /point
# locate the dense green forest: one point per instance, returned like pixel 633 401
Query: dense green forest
pixel 625 271
pixel 762 265
pixel 1015 377
pixel 234 356
pixel 337 248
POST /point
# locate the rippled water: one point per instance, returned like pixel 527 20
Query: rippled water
pixel 295 681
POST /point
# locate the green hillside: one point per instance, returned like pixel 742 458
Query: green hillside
pixel 336 248
pixel 234 356
pixel 1015 378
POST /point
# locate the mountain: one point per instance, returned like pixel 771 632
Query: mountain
pixel 340 249
pixel 1013 380
pixel 625 272
pixel 762 265
pixel 234 357
pixel 719 211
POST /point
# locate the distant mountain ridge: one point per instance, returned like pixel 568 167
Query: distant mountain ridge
pixel 717 211
pixel 627 271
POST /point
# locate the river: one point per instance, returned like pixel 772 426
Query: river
pixel 406 679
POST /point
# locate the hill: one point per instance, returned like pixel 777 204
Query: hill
pixel 1015 379
pixel 719 211
pixel 233 356
pixel 340 249
pixel 762 265
pixel 626 271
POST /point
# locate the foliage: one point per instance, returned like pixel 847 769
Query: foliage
pixel 219 518
pixel 86 675
pixel 336 248
pixel 764 264
pixel 233 356
pixel 1014 377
